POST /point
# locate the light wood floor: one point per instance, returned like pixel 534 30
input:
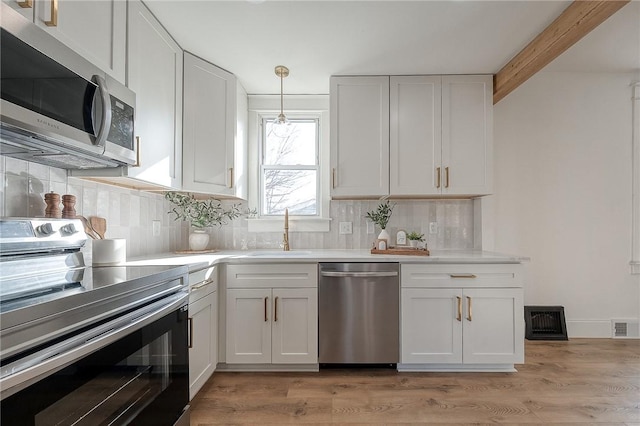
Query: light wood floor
pixel 585 381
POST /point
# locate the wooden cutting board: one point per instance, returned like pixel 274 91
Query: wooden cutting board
pixel 402 251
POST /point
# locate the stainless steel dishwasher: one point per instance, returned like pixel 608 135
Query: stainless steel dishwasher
pixel 358 313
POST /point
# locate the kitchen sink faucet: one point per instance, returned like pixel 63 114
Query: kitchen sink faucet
pixel 285 241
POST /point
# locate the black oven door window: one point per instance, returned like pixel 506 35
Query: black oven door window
pixel 141 379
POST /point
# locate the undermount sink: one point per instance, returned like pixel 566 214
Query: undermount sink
pixel 278 253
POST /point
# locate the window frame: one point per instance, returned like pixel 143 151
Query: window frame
pixel 310 117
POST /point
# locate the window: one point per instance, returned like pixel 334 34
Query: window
pixel 289 168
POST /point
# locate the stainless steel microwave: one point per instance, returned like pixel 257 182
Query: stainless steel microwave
pixel 56 107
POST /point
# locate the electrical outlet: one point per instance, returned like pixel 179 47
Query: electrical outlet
pixel 433 227
pixel 156 228
pixel 370 227
pixel 346 227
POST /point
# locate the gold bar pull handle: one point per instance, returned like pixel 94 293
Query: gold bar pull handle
pixel 438 177
pixel 137 163
pixel 333 177
pixel 462 276
pixel 266 300
pixel 275 310
pixel 190 332
pixel 53 22
pixel 446 177
pixel 469 312
pixel 27 4
pixel 230 177
pixel 459 316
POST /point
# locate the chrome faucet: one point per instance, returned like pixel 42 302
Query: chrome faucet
pixel 285 240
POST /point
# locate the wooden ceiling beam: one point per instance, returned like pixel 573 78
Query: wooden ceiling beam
pixel 574 22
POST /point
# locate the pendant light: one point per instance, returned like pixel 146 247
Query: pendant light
pixel 281 123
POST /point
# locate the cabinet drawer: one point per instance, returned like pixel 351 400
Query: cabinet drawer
pixel 280 275
pixel 202 283
pixel 460 275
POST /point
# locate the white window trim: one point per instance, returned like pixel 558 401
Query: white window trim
pixel 296 106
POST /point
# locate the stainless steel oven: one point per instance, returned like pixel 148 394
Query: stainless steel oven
pixel 88 346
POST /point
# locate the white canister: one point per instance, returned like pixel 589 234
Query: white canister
pixel 109 252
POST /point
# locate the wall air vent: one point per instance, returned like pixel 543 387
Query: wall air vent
pixel 625 329
pixel 545 323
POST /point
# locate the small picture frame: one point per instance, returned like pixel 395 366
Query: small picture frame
pixel 382 244
pixel 401 238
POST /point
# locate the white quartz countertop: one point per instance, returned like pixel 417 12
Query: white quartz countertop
pixel 200 261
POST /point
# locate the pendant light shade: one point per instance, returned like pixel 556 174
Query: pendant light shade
pixel 281 123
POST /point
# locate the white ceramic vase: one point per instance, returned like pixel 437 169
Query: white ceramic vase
pixel 384 235
pixel 414 243
pixel 198 240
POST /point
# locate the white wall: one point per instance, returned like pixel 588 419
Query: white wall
pixel 563 194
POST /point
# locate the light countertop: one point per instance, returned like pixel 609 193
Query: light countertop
pixel 200 261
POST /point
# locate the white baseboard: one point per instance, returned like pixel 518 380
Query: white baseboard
pixel 589 328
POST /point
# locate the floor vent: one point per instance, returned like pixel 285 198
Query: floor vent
pixel 545 323
pixel 625 329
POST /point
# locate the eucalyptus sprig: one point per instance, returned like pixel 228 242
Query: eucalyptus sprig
pixel 381 215
pixel 201 213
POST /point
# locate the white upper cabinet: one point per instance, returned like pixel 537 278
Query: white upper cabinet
pixel 25 8
pixel 94 29
pixel 215 129
pixel 359 136
pixel 415 138
pixel 155 75
pixel 467 134
pixel 431 136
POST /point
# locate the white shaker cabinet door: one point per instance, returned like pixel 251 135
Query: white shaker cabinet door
pixel 467 135
pixel 493 326
pixel 203 356
pixel 431 326
pixel 295 326
pixel 359 136
pixel 415 134
pixel 155 75
pixel 214 126
pixel 248 326
pixel 95 29
pixel 23 7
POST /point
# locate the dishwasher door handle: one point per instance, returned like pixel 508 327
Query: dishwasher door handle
pixel 358 274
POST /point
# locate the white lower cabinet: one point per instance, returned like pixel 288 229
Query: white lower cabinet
pixel 444 323
pixel 203 332
pixel 272 325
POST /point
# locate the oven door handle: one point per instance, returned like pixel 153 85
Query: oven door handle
pixel 25 371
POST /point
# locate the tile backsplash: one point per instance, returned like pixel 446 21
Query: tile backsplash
pixel 130 214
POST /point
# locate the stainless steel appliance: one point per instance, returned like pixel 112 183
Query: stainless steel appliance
pixel 87 345
pixel 358 313
pixel 57 108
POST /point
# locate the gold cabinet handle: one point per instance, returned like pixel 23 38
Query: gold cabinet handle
pixel 190 332
pixel 469 313
pixel 437 177
pixel 459 316
pixel 25 4
pixel 333 177
pixel 53 22
pixel 446 177
pixel 230 177
pixel 275 310
pixel 266 318
pixel 201 285
pixel 137 163
pixel 462 276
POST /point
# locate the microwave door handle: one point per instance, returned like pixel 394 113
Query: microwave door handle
pixel 105 123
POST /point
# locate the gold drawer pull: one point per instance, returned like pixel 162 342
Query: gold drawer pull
pixel 266 318
pixel 275 310
pixel 469 313
pixel 137 163
pixel 437 177
pixel 459 316
pixel 190 333
pixel 462 276
pixel 333 177
pixel 446 177
pixel 230 177
pixel 53 22
pixel 26 3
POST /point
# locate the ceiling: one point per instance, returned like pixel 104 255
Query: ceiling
pixel 317 39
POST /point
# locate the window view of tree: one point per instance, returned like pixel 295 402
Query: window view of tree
pixel 290 168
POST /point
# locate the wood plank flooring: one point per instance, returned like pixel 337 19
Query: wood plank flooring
pixel 582 381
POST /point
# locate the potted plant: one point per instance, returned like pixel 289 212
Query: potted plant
pixel 201 214
pixel 415 238
pixel 380 216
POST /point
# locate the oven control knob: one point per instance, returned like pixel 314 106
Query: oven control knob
pixel 68 229
pixel 45 229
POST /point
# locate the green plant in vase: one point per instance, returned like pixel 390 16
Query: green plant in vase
pixel 415 238
pixel 380 216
